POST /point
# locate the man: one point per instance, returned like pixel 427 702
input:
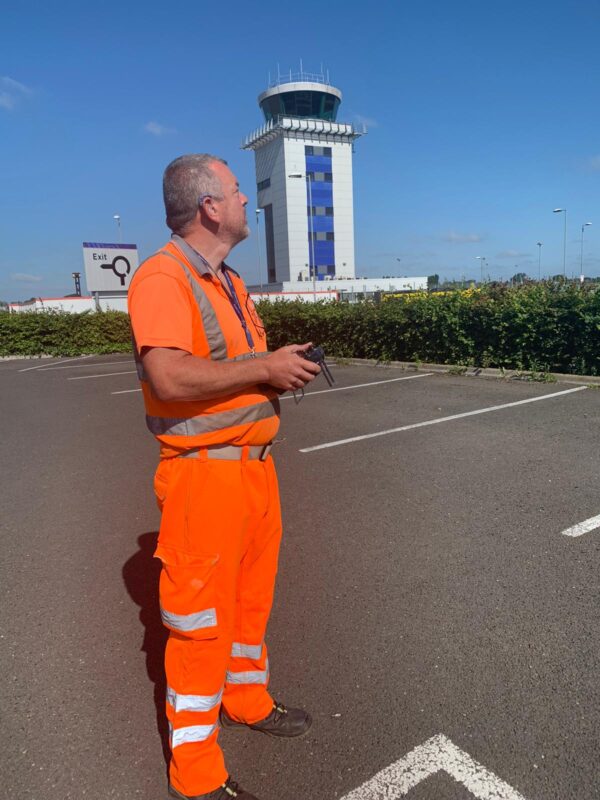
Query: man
pixel 211 394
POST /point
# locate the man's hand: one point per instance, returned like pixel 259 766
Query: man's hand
pixel 287 370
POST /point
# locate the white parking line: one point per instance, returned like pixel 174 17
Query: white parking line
pixel 440 419
pixel 360 385
pixel 45 366
pixel 103 375
pixel 583 527
pixel 323 391
pixel 96 364
pixel 438 754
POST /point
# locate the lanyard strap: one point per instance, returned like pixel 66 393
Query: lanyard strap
pixel 235 303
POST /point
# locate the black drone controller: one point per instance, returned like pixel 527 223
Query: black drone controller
pixel 317 356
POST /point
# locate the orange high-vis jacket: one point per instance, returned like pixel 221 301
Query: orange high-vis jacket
pixel 176 301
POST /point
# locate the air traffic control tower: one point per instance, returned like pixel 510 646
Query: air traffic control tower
pixel 304 180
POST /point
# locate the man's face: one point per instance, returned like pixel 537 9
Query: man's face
pixel 233 226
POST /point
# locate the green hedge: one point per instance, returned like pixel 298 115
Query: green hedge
pixel 63 334
pixel 549 327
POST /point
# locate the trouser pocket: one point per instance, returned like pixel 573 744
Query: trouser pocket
pixel 188 592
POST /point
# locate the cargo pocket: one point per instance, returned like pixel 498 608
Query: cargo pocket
pixel 188 592
pixel 161 482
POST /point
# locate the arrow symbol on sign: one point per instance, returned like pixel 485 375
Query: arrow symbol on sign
pixel 437 754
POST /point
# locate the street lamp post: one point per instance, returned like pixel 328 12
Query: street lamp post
pixel 539 244
pixel 117 219
pixel 258 213
pixel 564 211
pixel 312 233
pixel 482 260
pixel 583 227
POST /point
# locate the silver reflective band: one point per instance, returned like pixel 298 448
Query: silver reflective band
pixel 253 651
pixel 192 733
pixel 207 423
pixel 214 335
pixel 193 702
pixel 253 676
pixel 230 452
pixel 138 361
pixel 190 622
pixel 246 356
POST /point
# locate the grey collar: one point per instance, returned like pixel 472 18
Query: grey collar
pixel 194 257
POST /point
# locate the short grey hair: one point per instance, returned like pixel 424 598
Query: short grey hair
pixel 186 179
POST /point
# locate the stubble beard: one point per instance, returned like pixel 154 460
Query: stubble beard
pixel 239 233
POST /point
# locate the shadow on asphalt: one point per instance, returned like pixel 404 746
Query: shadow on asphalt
pixel 140 574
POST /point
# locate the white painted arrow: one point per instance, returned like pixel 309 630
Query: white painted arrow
pixel 435 755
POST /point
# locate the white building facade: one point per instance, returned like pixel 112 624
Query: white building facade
pixel 303 160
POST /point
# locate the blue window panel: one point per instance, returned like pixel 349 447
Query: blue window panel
pixel 322 224
pixel 324 252
pixel 323 192
pixel 318 164
pixel 321 186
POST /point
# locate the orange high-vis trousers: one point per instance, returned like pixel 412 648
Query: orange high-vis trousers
pixel 218 543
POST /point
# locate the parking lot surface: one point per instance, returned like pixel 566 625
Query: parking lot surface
pixel 433 612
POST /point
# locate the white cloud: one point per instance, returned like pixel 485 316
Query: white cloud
pixel 594 163
pixel 512 254
pixel 461 238
pixel 6 101
pixel 11 91
pixel 368 122
pixel 16 86
pixel 156 129
pixel 24 277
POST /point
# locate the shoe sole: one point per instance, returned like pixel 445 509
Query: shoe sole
pixel 233 725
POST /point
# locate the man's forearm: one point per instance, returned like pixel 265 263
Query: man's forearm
pixel 187 377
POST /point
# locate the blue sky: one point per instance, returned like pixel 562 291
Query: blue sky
pixel 481 119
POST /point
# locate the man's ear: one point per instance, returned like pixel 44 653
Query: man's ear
pixel 210 209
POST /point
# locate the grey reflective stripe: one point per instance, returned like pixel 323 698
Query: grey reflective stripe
pixel 138 361
pixel 207 423
pixel 212 329
pixel 193 702
pixel 246 356
pixel 191 733
pixel 252 676
pixel 190 622
pixel 239 650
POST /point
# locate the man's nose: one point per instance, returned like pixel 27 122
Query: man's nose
pixel 244 200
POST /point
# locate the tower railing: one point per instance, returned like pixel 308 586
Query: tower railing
pixel 299 77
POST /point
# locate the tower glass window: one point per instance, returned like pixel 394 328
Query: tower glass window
pixel 301 103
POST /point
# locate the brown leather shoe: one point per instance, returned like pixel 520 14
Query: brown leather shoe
pixel 282 721
pixel 228 791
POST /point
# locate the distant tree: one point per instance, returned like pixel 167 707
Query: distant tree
pixel 433 281
pixel 519 277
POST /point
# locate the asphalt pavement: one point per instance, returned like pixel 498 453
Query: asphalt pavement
pixel 430 612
